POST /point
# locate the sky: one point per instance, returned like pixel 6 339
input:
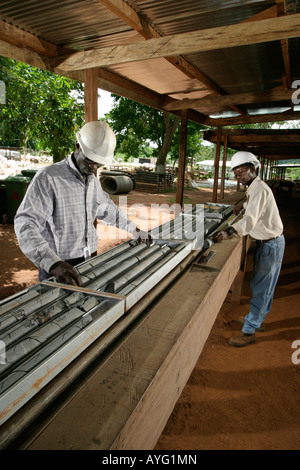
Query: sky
pixel 104 103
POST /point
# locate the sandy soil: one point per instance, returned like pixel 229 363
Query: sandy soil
pixel 235 398
pixel 247 398
pixel 147 210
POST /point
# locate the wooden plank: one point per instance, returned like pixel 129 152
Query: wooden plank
pixel 216 164
pixel 273 117
pixel 222 188
pixel 131 17
pixel 261 139
pixel 186 43
pixel 181 158
pixel 23 39
pixel 228 100
pixel 91 95
pixel 128 400
pixel 25 55
pixel 237 285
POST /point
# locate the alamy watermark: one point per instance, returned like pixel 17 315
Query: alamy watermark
pixel 160 220
pixel 296 94
pixel 2 92
pixel 296 354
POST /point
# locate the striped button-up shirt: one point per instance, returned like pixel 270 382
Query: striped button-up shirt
pixel 55 220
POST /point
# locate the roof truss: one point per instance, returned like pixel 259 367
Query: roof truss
pixel 271 24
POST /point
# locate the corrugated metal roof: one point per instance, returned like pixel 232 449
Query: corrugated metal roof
pixel 86 24
pixel 77 24
pixel 179 16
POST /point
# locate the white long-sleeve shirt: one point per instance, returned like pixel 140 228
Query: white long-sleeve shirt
pixel 261 219
pixel 55 220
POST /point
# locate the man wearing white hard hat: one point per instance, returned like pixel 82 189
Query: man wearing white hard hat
pixel 55 221
pixel 261 220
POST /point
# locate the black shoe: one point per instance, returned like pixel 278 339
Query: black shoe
pixel 242 340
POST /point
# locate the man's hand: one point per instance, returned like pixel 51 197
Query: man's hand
pixel 142 236
pixel 237 209
pixel 65 273
pixel 219 236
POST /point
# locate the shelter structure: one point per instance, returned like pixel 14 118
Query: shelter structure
pixel 218 63
pixel 269 145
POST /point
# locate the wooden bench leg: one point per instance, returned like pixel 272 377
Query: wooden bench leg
pixel 237 285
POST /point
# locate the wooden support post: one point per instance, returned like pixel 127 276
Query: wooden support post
pixel 237 285
pixel 224 167
pixel 262 168
pixel 91 95
pixel 217 159
pixel 181 158
pixel 91 100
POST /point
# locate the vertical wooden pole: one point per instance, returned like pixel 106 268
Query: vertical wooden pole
pixel 182 157
pixel 262 169
pixel 91 101
pixel 91 95
pixel 217 159
pixel 224 167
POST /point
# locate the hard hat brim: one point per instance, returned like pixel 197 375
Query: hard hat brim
pixel 97 142
pixel 94 157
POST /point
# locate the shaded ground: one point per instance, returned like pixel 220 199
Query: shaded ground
pixel 235 398
pixel 247 398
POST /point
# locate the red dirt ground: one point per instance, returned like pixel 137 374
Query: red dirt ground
pixel 235 398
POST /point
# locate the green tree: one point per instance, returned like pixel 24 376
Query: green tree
pixel 42 109
pixel 136 124
pixel 194 143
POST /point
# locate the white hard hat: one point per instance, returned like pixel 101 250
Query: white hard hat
pixel 97 141
pixel 240 158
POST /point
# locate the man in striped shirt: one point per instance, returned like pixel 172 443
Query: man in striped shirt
pixel 55 221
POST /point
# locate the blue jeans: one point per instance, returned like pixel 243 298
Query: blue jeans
pixel 266 268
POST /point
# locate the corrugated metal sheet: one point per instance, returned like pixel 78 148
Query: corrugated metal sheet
pixel 85 24
pixel 80 24
pixel 179 16
pixel 247 69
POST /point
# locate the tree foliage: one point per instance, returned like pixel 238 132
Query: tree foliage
pixel 136 125
pixel 42 109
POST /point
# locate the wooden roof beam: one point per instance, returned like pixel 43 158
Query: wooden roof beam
pixel 287 79
pixel 126 13
pixel 133 19
pixel 24 40
pixel 229 100
pixel 273 117
pixel 265 14
pixel 242 34
pixel 256 140
pixel 29 49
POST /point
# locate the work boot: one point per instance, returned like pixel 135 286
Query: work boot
pixel 261 329
pixel 241 340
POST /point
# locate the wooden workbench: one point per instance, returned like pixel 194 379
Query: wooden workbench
pixel 127 401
